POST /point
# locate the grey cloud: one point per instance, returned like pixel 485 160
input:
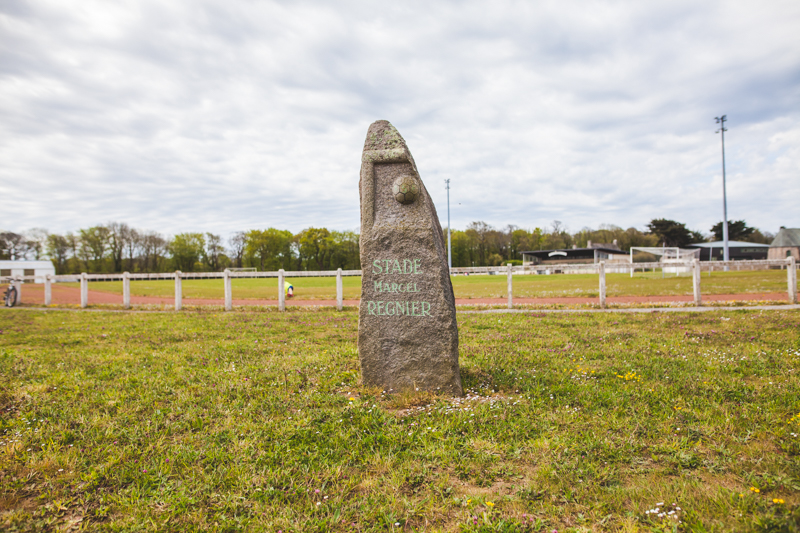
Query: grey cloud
pixel 223 116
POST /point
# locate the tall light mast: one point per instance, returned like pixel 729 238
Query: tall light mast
pixel 722 129
pixel 449 247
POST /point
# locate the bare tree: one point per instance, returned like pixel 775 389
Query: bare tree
pixel 237 242
pixel 13 245
pixel 133 240
pixel 213 250
pixel 117 241
pixel 36 243
pixel 74 244
pixel 154 247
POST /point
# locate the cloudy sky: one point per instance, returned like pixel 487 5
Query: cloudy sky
pixel 223 116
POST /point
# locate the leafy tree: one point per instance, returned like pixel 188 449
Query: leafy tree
pixel 738 230
pixel 344 250
pixel 608 233
pixel 462 249
pixel 761 237
pixel 523 241
pixel 557 238
pixel 671 233
pixel 93 245
pixel 478 234
pixel 314 245
pixel 58 249
pixel 269 249
pixel 186 250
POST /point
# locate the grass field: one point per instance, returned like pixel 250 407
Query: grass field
pixel 255 421
pixel 476 286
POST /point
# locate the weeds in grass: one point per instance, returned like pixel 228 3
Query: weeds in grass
pixel 256 421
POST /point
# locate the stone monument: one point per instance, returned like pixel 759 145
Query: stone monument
pixel 407 330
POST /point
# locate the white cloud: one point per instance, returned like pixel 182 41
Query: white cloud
pixel 216 116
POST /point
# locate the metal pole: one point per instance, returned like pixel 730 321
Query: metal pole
pixel 722 129
pixel 449 245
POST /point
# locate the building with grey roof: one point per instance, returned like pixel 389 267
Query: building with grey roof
pixel 786 244
pixel 739 250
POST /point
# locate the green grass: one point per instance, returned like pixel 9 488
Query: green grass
pixel 648 284
pixel 255 421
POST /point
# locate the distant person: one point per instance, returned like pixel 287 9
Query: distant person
pixel 288 288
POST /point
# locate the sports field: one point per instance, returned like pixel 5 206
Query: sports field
pixel 255 421
pixel 526 286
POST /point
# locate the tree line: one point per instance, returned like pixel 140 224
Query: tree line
pixel 117 247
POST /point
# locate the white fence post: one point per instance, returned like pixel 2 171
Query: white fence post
pixel 281 293
pixel 510 285
pixel 178 291
pixel 696 282
pixel 228 290
pixel 84 290
pixel 602 271
pixel 126 290
pixel 48 292
pixel 17 284
pixel 791 271
pixel 339 290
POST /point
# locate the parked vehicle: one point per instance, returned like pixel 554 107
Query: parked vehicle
pixel 10 297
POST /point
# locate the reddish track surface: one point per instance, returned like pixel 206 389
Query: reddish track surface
pixel 34 295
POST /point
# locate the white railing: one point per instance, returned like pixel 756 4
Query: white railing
pixel 601 269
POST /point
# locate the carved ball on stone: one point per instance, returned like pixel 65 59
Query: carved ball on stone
pixel 405 190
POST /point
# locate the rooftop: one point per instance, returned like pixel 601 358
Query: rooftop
pixel 576 251
pixel 25 264
pixel 787 237
pixel 731 244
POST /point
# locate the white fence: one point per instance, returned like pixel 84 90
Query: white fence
pixel 695 267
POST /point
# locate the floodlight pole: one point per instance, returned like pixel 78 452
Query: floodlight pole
pixel 722 129
pixel 449 247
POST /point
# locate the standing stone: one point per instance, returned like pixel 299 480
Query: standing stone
pixel 407 330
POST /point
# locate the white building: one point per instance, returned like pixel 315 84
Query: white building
pixel 27 268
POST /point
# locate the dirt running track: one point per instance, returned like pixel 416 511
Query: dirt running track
pixel 34 295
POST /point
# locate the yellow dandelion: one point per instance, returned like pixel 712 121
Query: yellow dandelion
pixel 755 490
pixel 490 504
pixel 778 501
